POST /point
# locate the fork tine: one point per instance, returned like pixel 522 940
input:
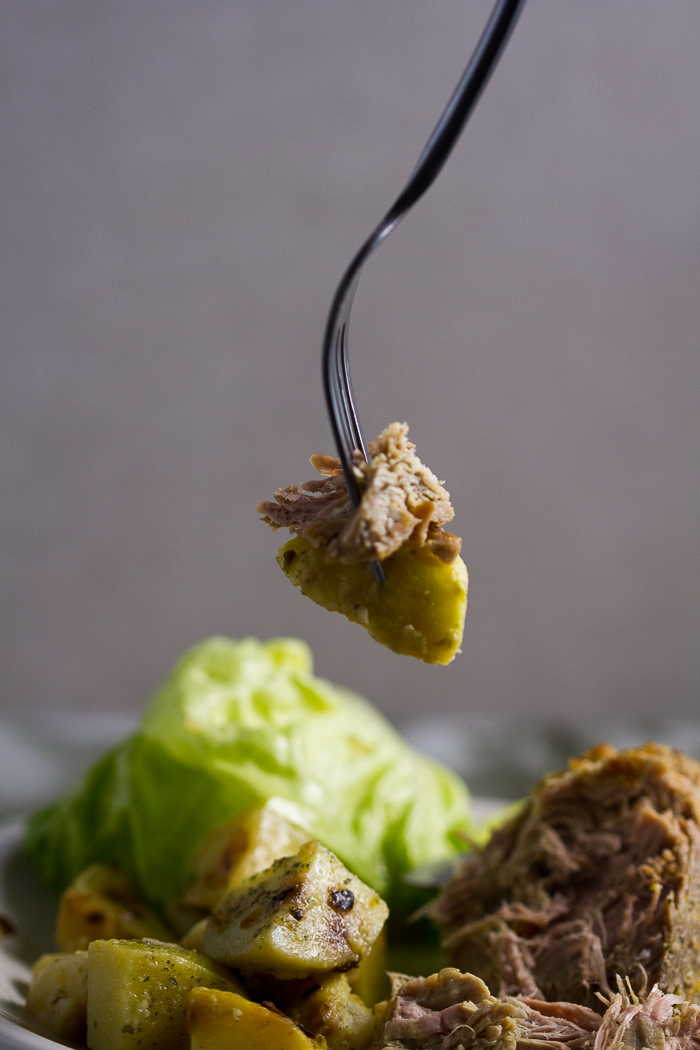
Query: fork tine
pixel 344 419
pixel 343 395
pixel 357 437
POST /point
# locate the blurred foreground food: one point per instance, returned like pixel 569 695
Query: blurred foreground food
pixel 451 1010
pixel 149 995
pixel 299 944
pixel 585 900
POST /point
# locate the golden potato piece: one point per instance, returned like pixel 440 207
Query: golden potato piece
pixel 336 1013
pixel 102 903
pixel 418 611
pixel 370 980
pixel 57 995
pixel 238 849
pixel 305 915
pixel 226 1021
pixel 138 993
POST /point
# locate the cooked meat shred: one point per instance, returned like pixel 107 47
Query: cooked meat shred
pixel 657 1020
pixel 455 1011
pixel 401 500
pixel 597 875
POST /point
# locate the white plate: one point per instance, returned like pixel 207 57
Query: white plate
pixel 32 911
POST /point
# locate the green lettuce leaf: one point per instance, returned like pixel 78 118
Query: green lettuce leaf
pixel 235 724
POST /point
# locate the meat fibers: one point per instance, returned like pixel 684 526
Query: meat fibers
pixel 456 1011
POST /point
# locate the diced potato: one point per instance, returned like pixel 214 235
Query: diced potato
pixel 238 849
pixel 102 903
pixel 306 914
pixel 334 1012
pixel 226 1021
pixel 370 980
pixel 138 990
pixel 419 610
pixel 57 995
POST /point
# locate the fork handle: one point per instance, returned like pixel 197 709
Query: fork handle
pixel 458 110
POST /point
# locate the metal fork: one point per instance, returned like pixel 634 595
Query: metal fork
pixel 337 384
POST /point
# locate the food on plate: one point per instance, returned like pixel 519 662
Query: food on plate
pixel 279 952
pixel 57 995
pixel 305 915
pixel 419 610
pixel 137 993
pixel 265 813
pixel 292 957
pixel 452 1010
pixel 246 723
pixel 103 903
pixel 598 876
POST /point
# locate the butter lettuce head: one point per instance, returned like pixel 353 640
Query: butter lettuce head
pixel 237 723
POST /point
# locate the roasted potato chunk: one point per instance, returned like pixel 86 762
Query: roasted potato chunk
pixel 419 610
pixel 238 849
pixel 334 1012
pixel 138 991
pixel 226 1021
pixel 103 903
pixel 305 915
pixel 57 995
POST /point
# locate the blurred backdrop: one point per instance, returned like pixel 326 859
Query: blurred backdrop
pixel 183 185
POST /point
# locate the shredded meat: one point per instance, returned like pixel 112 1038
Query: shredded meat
pixel 401 500
pixel 455 1011
pixel 597 875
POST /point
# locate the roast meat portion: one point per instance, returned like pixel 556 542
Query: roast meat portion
pixel 597 877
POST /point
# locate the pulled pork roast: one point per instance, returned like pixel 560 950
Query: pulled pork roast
pixel 401 500
pixel 598 875
pixel 455 1011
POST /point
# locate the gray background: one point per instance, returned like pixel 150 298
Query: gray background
pixel 184 183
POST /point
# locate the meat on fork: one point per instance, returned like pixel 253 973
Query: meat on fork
pixel 401 499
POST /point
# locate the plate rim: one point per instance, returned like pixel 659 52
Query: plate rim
pixel 14 1035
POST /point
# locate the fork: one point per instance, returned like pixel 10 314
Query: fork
pixel 337 382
